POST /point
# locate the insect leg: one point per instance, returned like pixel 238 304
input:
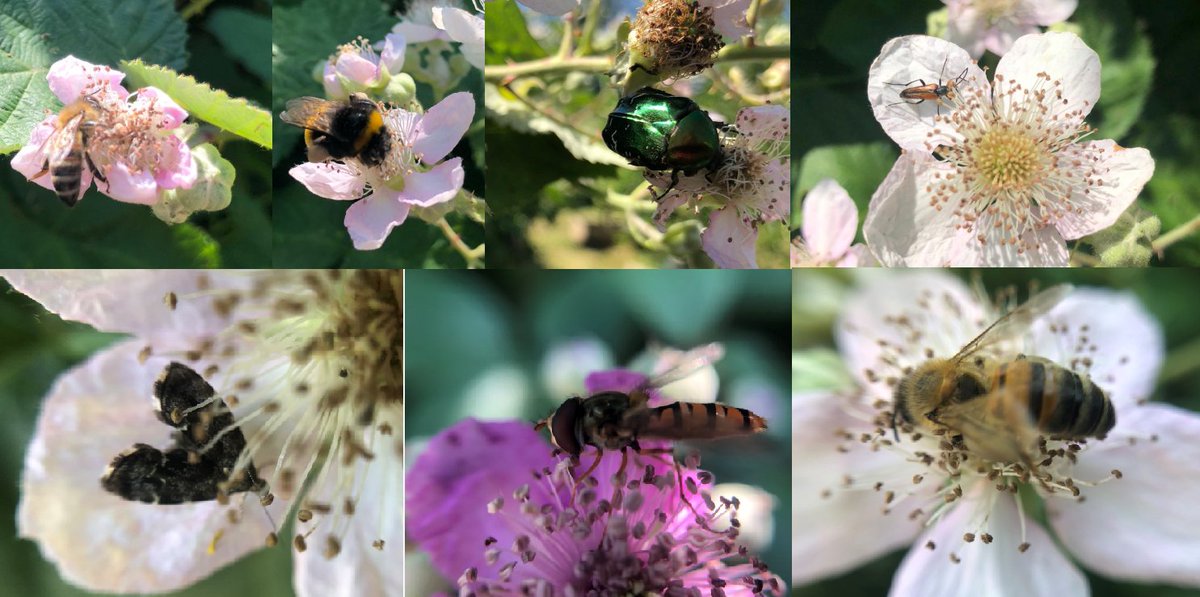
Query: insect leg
pixel 674 181
pixel 909 84
pixel 595 463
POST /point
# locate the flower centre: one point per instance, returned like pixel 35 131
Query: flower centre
pixel 1007 158
pixel 674 38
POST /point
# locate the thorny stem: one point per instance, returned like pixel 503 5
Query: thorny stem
pixel 589 26
pixel 751 20
pixel 750 97
pixel 473 257
pixel 557 65
pixel 1175 235
pixel 566 47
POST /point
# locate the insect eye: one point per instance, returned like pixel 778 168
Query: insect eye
pixel 967 387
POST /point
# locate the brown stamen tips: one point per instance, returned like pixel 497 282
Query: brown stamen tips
pixel 385 428
pixel 917 479
pixel 299 543
pixel 272 539
pixel 969 537
pixel 144 354
pixel 888 497
pixel 171 300
pixel 521 494
pixel 468 576
pixel 332 548
pixel 1117 473
pixel 826 494
pixel 495 505
pixel 304 515
pixel 1024 547
pixel 287 480
pixel 506 570
pixel 986 538
pixel 930 545
pixel 377 544
pixel 954 558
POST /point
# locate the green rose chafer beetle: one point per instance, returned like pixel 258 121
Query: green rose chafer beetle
pixel 659 131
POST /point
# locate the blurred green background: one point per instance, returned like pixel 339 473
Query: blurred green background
pixel 1168 294
pixel 35 348
pixel 477 345
pixel 1147 99
pixel 225 43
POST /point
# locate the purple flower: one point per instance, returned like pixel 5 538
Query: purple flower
pixel 496 509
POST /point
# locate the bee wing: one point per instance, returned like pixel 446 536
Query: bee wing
pixel 59 144
pixel 310 113
pixel 1006 434
pixel 1016 322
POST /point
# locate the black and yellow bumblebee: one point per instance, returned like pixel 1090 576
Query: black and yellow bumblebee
pixel 340 129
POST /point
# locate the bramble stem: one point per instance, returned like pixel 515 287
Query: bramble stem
pixel 473 257
pixel 600 64
pixel 1175 235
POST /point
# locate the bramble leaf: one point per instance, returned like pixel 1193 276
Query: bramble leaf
pixel 203 102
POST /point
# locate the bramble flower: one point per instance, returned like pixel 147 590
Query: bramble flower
pixel 673 39
pixel 1012 178
pixel 830 221
pixel 134 144
pixel 995 24
pixel 752 185
pixel 412 175
pixel 858 493
pixel 357 68
pixel 464 28
pixel 310 365
pixel 530 525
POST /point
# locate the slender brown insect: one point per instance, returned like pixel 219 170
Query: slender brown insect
pixel 935 92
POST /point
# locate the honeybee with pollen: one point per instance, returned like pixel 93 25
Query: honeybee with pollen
pixel 615 420
pixel 68 150
pixel 1001 407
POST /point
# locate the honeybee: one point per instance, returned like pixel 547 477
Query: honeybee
pixel 614 420
pixel 340 129
pixel 67 150
pixel 1000 407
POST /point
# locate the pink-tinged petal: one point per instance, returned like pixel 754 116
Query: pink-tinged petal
pixel 613 380
pixel 130 187
pixel 465 28
pixel 32 157
pixel 1062 56
pixel 330 180
pixel 70 78
pixel 835 529
pixel 1048 12
pixel 829 221
pixel 858 256
pixel 1128 370
pixel 965 28
pixel 176 169
pixel 552 7
pixel 900 64
pixel 98 540
pixel 764 123
pixel 667 206
pixel 116 301
pixel 392 56
pixel 451 482
pixel 438 185
pixel 415 33
pixel 152 98
pixel 1000 38
pixel 371 220
pixel 1152 507
pixel 729 240
pixel 333 87
pixel 774 197
pixel 356 67
pixel 442 126
pixel 1125 171
pixel 998 569
pixel 729 16
pixel 360 568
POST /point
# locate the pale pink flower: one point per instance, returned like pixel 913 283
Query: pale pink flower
pixel 412 174
pixel 356 67
pixel 858 493
pixel 729 16
pixel 464 28
pixel 1012 178
pixel 828 227
pixel 309 363
pixel 752 185
pixel 995 24
pixel 130 143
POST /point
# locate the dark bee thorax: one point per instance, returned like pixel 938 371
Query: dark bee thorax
pixel 602 423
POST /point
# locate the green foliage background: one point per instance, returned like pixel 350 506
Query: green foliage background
pixel 1147 99
pixel 225 46
pixel 462 328
pixel 308 229
pixel 1167 294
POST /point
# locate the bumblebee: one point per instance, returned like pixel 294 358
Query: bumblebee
pixel 340 129
pixel 999 407
pixel 67 150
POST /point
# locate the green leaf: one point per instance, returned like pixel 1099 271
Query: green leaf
pixel 1127 64
pixel 858 168
pixel 35 33
pixel 246 36
pixel 201 101
pixel 585 145
pixel 506 37
pixel 819 369
pixel 203 249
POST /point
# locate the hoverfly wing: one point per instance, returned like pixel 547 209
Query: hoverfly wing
pixel 1016 322
pixel 686 363
pixel 689 420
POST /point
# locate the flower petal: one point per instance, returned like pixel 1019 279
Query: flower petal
pixel 392 56
pixel 998 569
pixel 1049 12
pixel 999 38
pixel 415 33
pixel 154 99
pixel 1062 56
pixel 465 28
pixel 729 16
pixel 175 165
pixel 357 68
pixel 858 256
pixel 1152 507
pixel 764 123
pixel 729 240
pixel 438 185
pixel 830 220
pixel 98 540
pixel 1124 173
pixel 371 220
pixel 965 27
pixel 70 78
pixel 900 64
pixel 330 180
pixel 333 87
pixel 32 156
pixel 130 187
pixel 442 126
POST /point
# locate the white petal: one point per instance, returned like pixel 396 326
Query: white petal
pixel 371 220
pixel 1152 508
pixel 98 540
pixel 330 180
pixel 1124 172
pixel 465 28
pixel 1048 12
pixel 1000 37
pixel 729 16
pixel 440 129
pixel 130 301
pixel 764 123
pixel 729 241
pixel 900 64
pixel 965 27
pixel 830 220
pixel 1127 368
pixel 360 568
pixel 848 528
pixel 1062 56
pixel 438 185
pixel 998 569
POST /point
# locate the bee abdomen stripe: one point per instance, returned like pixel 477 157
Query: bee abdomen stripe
pixel 675 408
pixel 745 418
pixel 711 408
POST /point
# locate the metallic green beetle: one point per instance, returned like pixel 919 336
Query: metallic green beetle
pixel 659 131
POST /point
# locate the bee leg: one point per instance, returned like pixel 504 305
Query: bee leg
pixel 674 181
pixel 95 171
pixel 45 170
